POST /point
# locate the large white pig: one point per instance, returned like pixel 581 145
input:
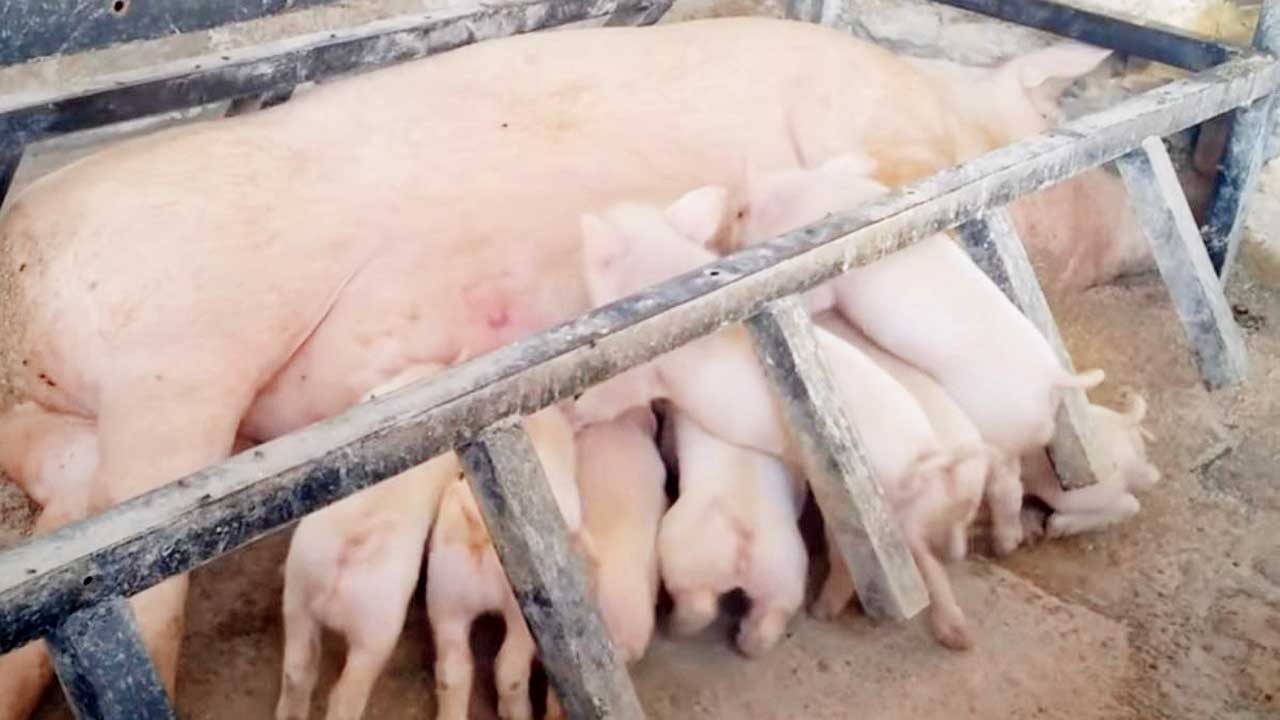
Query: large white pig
pixel 718 383
pixel 930 305
pixel 352 568
pixel 621 480
pixel 465 580
pixel 304 254
pixel 734 525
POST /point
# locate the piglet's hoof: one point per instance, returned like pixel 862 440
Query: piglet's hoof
pixel 951 629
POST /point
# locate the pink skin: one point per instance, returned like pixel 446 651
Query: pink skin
pixel 1125 470
pixel 465 580
pixel 352 568
pixel 621 481
pixel 932 307
pixel 733 526
pixel 629 246
pixel 289 291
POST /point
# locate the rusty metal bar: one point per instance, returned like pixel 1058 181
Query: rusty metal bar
pixel 548 576
pixel 993 243
pixel 852 502
pixel 182 525
pixel 1157 198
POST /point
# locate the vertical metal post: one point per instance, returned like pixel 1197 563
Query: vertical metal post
pixel 1243 158
pixel 104 668
pixel 851 501
pixel 1183 262
pixel 548 576
pixel 993 243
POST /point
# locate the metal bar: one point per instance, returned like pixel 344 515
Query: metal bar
pixel 1157 198
pixel 11 151
pixel 173 529
pixel 282 63
pixel 851 500
pixel 807 10
pixel 1118 31
pixel 104 668
pixel 548 576
pixel 993 243
pixel 1242 159
pixel 253 103
pixel 32 29
pixel 639 14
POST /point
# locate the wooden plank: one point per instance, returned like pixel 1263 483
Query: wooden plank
pixel 993 243
pixel 32 29
pixel 1119 31
pixel 852 502
pixel 286 62
pixel 104 668
pixel 549 577
pixel 180 526
pixel 1250 129
pixel 1179 251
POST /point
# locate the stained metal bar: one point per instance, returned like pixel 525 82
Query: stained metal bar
pixel 993 243
pixel 1250 129
pixel 640 13
pixel 173 529
pixel 548 576
pixel 286 62
pixel 104 668
pixel 812 11
pixel 1157 198
pixel 852 502
pixel 252 103
pixel 32 29
pixel 1119 31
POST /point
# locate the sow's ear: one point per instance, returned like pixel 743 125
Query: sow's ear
pixel 1045 73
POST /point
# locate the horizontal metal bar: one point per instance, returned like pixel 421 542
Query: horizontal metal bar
pixel 854 509
pixel 104 668
pixel 1179 251
pixel 284 63
pixel 1118 31
pixel 993 242
pixel 548 576
pixel 32 29
pixel 197 518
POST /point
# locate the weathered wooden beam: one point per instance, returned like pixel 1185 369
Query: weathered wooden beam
pixel 993 243
pixel 1179 251
pixel 104 668
pixel 548 576
pixel 287 62
pixel 1119 31
pixel 32 29
pixel 1250 129
pixel 852 502
pixel 204 515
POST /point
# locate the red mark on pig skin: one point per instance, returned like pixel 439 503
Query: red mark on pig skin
pixel 490 303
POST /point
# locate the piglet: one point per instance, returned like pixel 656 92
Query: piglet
pixel 930 305
pixel 352 568
pixel 734 525
pixel 465 580
pixel 621 479
pixel 1124 470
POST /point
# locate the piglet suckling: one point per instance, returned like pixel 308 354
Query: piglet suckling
pixel 465 580
pixel 352 568
pixel 621 479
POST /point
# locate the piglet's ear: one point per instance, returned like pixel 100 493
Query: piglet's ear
pixel 699 214
pixel 1064 62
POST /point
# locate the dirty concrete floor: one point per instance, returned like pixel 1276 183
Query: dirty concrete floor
pixel 1175 614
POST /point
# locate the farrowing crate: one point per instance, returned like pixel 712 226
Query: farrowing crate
pixel 70 586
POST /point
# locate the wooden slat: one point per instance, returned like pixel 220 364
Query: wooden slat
pixel 184 524
pixel 548 576
pixel 1179 251
pixel 993 243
